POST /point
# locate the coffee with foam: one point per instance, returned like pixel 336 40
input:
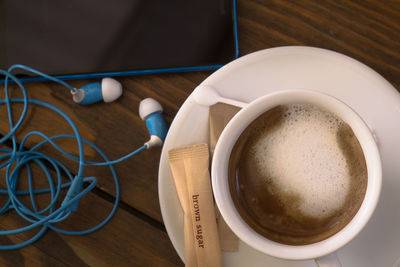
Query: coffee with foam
pixel 297 174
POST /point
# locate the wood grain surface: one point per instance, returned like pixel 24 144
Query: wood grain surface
pixel 368 31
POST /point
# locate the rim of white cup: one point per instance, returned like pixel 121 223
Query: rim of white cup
pixel 219 173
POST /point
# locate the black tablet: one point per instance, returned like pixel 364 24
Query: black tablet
pixel 95 38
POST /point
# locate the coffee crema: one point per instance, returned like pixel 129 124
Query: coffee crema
pixel 297 174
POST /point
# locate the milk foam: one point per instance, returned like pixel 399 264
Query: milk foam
pixel 302 158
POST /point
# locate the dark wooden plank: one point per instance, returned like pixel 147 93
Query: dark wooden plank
pixel 30 256
pixel 368 31
pixel 125 241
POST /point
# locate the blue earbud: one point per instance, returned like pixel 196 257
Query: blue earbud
pixel 108 90
pixel 150 111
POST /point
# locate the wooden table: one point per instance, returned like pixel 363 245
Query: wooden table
pixel 367 30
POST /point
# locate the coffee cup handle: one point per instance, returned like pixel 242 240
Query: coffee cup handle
pixel 330 260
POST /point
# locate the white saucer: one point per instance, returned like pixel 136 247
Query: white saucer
pixel 257 74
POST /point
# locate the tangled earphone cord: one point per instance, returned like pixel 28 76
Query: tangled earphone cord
pixel 14 159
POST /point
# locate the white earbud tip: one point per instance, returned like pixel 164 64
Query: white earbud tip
pixel 111 89
pixel 148 106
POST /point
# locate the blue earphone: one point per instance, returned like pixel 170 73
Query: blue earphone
pixel 14 159
pixel 109 90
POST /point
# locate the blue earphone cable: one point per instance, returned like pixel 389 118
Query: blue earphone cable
pixel 16 158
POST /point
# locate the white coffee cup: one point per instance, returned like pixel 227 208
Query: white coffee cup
pixel 322 251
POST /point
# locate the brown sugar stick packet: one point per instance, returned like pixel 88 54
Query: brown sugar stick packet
pixel 220 115
pixel 190 169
